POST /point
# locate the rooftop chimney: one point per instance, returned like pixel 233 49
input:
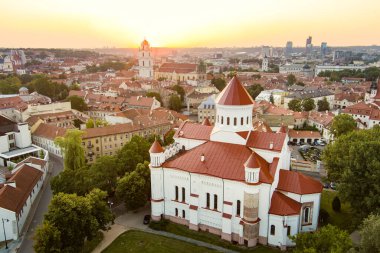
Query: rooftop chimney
pixel 202 157
pixel 271 145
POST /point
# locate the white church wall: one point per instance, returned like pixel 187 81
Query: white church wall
pixel 188 143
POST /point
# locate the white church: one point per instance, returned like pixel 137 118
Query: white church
pixel 233 181
pixel 145 60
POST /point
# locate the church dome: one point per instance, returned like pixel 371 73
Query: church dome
pixel 234 94
pixel 145 43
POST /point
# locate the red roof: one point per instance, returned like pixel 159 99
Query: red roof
pixel 304 134
pixel 195 131
pixel 156 148
pixel 178 67
pixel 223 160
pixel 295 182
pixel 283 205
pixel 206 122
pixel 256 161
pixel 262 140
pixel 283 129
pixel 234 94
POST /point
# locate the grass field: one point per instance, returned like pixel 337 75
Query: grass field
pixel 89 246
pixel 210 238
pixel 138 241
pixel 342 219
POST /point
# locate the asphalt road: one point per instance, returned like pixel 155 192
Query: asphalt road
pixel 27 245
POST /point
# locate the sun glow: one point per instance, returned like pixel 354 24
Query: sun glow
pixel 169 23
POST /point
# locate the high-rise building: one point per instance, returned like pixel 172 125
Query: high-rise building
pixel 289 48
pixel 265 64
pixel 266 51
pixel 309 45
pixel 145 60
pixel 323 49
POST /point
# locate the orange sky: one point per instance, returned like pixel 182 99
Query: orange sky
pixel 195 23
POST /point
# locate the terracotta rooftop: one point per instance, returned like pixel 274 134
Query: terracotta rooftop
pixel 49 131
pixel 298 183
pixel 156 148
pixel 234 94
pixel 14 198
pixel 196 131
pixel 303 134
pixel 261 126
pixel 206 122
pixel 178 67
pixel 223 160
pixel 283 205
pixel 262 140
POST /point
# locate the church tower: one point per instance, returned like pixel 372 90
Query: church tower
pixel 145 60
pixel 234 108
pixel 265 64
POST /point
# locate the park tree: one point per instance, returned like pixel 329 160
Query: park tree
pixel 295 105
pixel 71 220
pixel 132 190
pixel 72 181
pixel 175 103
pixel 77 103
pixel 97 123
pixel 308 104
pixel 291 79
pixel 43 85
pixel 180 91
pixel 255 90
pixel 353 161
pixel 326 239
pixel 168 138
pixel 156 95
pixel 219 83
pixel 72 149
pixel 134 152
pixel 103 174
pixel 10 85
pixel 342 124
pixel 370 234
pixel 323 105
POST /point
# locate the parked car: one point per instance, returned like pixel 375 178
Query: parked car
pixel 333 185
pixel 146 219
pixel 326 185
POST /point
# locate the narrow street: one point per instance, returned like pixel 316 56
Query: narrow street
pixel 27 245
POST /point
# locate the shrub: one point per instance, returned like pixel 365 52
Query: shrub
pixel 159 225
pixel 323 217
pixel 336 204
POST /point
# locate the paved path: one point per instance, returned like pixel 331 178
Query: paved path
pixel 355 237
pixel 134 220
pixel 27 243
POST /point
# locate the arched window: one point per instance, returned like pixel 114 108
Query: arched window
pixel 247 120
pixel 183 194
pixel 215 201
pixel 288 231
pixel 306 212
pixel 238 208
pixel 228 121
pixel 183 214
pixel 176 212
pixel 176 193
pixel 208 200
pixel 242 121
pixel 235 121
pixel 222 120
pixel 272 230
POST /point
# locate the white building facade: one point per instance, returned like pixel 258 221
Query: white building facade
pixel 233 181
pixel 145 60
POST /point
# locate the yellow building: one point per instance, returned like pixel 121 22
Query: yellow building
pixel 179 72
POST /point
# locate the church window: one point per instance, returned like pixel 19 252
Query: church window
pixel 183 194
pixel 208 200
pixel 242 121
pixel 247 119
pixel 235 121
pixel 228 121
pixel 238 208
pixel 183 214
pixel 222 120
pixel 215 201
pixel 307 215
pixel 176 193
pixel 288 230
pixel 272 230
pixel 176 212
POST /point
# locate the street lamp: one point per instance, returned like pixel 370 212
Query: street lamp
pixel 5 237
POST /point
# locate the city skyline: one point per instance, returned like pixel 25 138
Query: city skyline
pixel 116 23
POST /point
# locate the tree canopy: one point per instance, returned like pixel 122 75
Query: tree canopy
pixel 156 95
pixel 180 91
pixel 323 105
pixel 219 83
pixel 72 149
pixel 353 161
pixel 342 124
pixel 255 90
pixel 308 104
pixel 77 103
pixel 70 220
pixel 326 239
pixel 370 234
pixel 291 79
pixel 370 74
pixel 295 105
pixel 175 103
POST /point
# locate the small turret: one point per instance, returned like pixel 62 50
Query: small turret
pixel 157 156
pixel 206 122
pixel 252 169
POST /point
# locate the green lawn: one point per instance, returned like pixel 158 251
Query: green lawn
pixel 209 238
pixel 138 241
pixel 342 219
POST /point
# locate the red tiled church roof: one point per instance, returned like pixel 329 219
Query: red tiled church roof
pixel 295 182
pixel 283 205
pixel 156 148
pixel 234 94
pixel 195 131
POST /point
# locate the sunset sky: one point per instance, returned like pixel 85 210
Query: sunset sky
pixel 191 23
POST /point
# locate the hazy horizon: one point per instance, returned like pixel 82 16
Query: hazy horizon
pixel 94 24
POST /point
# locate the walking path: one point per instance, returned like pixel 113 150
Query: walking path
pixel 133 220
